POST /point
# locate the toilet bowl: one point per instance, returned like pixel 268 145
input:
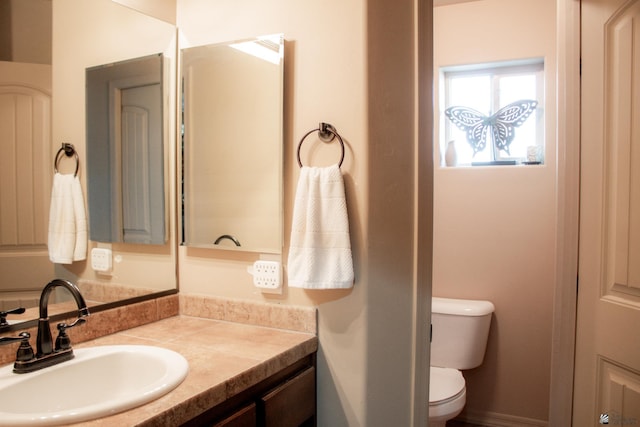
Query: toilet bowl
pixel 447 395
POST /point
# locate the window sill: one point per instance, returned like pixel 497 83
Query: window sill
pixel 498 163
pixel 495 163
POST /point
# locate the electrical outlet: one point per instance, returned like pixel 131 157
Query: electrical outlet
pixel 101 260
pixel 267 276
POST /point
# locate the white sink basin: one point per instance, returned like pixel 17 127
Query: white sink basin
pixel 99 381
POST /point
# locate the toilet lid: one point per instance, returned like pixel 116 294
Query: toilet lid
pixel 444 383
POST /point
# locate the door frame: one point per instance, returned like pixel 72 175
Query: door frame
pixel 568 212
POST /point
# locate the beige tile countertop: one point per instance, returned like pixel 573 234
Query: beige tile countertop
pixel 224 357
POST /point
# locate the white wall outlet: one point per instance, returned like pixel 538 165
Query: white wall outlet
pixel 267 276
pixel 101 260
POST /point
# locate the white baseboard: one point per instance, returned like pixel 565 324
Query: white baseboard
pixel 494 419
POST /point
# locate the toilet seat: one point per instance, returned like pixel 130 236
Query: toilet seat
pixel 445 384
pixel 447 395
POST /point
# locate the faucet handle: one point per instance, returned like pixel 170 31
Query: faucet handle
pixel 21 337
pixel 78 321
pixel 3 314
pixel 63 342
pixel 25 351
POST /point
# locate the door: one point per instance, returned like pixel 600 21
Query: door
pixel 607 369
pixel 142 159
pixel 26 167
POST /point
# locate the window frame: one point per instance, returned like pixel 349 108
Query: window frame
pixel 495 71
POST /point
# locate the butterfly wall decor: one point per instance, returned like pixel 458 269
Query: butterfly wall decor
pixel 502 123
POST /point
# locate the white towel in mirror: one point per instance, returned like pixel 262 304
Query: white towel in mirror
pixel 67 240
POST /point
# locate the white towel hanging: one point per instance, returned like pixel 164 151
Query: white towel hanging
pixel 320 248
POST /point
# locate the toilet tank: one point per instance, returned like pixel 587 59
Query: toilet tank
pixel 460 329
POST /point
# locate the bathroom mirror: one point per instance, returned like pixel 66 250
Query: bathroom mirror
pixel 87 33
pixel 125 151
pixel 232 97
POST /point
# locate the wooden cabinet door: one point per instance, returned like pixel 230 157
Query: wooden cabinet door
pixel 293 403
pixel 245 417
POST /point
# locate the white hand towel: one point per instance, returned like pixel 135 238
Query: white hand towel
pixel 320 247
pixel 67 221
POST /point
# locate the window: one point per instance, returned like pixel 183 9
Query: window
pixel 487 90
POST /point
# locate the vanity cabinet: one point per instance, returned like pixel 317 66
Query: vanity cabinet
pixel 286 399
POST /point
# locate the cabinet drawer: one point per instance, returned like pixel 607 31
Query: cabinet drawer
pixel 245 417
pixel 292 403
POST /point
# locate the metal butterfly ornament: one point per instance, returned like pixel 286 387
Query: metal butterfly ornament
pixel 502 123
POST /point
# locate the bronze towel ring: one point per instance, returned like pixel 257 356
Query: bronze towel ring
pixel 69 151
pixel 326 133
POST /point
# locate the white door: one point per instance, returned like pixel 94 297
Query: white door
pixel 26 167
pixel 607 369
pixel 142 159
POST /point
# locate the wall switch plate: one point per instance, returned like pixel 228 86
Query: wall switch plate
pixel 101 260
pixel 267 275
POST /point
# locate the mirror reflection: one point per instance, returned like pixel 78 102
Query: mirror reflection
pixel 125 156
pixel 83 34
pixel 232 145
pixel 25 127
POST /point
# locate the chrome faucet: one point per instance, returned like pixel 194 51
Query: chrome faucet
pixel 46 355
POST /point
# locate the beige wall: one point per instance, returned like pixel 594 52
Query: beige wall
pixel 25 31
pixel 161 9
pixel 494 227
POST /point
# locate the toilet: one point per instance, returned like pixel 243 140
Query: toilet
pixel 459 339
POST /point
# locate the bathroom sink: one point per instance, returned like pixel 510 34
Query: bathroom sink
pixel 97 382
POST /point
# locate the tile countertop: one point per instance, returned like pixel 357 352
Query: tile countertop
pixel 225 358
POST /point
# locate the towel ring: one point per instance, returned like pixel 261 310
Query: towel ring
pixel 69 151
pixel 326 133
